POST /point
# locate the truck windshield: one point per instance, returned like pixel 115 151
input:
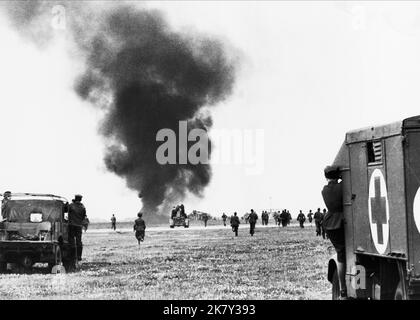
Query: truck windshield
pixel 25 210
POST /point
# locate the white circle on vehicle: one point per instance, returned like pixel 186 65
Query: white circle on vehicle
pixel 416 209
pixel 378 211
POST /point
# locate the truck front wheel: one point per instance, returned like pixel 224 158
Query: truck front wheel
pixel 3 267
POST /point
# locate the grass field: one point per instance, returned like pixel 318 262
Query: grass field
pixel 277 263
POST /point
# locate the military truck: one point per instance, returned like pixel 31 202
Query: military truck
pixel 34 229
pixel 380 168
pixel 179 220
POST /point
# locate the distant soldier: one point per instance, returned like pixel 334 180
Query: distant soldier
pixel 283 218
pixel 6 197
pixel 309 215
pixel 113 223
pixel 289 217
pixel 266 217
pixel 301 218
pixel 234 223
pixel 77 218
pixel 205 219
pixel 324 234
pixel 253 217
pixel 318 221
pixel 139 228
pixel 224 217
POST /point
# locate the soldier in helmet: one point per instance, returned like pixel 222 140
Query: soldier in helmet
pixel 301 218
pixel 252 218
pixel 234 223
pixel 224 217
pixel 77 218
pixel 139 228
pixel 205 219
pixel 333 221
pixel 310 216
pixel 318 221
pixel 6 197
pixel 324 234
pixel 113 222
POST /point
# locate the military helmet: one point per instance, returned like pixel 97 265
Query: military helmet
pixel 332 172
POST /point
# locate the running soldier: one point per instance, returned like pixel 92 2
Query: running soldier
pixel 253 217
pixel 301 218
pixel 284 217
pixel 205 219
pixel 234 223
pixel 309 215
pixel 224 217
pixel 289 217
pixel 139 228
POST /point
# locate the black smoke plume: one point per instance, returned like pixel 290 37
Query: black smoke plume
pixel 146 77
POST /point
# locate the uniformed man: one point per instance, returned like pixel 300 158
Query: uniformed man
pixel 6 197
pixel 234 223
pixel 318 222
pixel 284 218
pixel 77 218
pixel 276 217
pixel 205 219
pixel 139 228
pixel 289 217
pixel 301 218
pixel 324 235
pixel 309 215
pixel 224 217
pixel 252 218
pixel 333 221
pixel 113 223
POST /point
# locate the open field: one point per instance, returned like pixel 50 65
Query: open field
pixel 198 263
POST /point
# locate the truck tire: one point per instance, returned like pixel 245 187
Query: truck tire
pixel 335 286
pixel 26 263
pixel 3 267
pixel 58 258
pixel 399 294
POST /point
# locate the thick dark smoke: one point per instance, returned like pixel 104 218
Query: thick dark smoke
pixel 146 77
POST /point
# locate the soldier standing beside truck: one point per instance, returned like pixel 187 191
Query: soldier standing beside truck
pixel 77 216
pixel 333 221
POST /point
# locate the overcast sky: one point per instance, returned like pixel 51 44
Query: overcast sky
pixel 310 72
